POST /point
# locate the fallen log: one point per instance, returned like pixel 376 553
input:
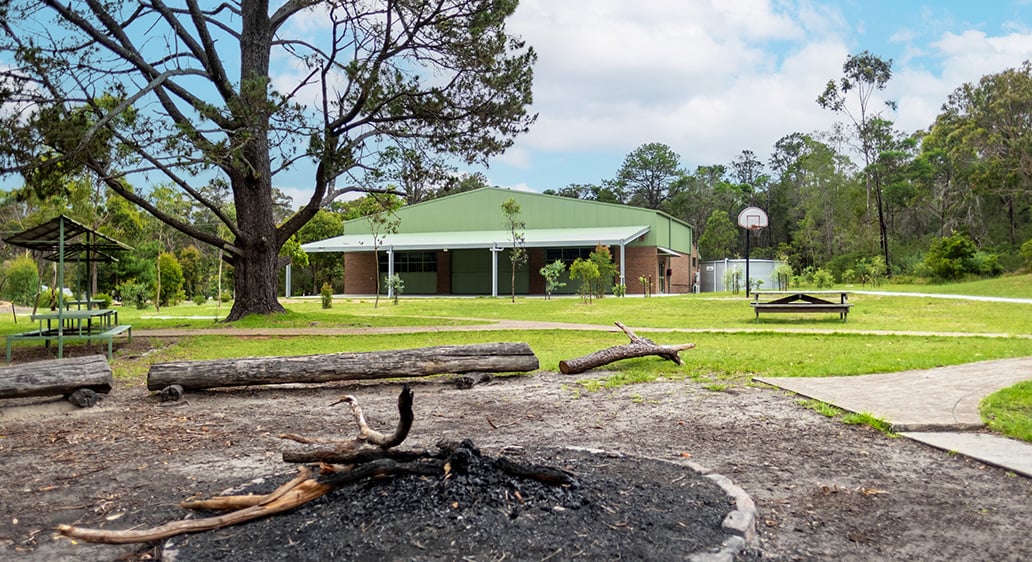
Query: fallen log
pixel 639 347
pixel 56 377
pixel 488 357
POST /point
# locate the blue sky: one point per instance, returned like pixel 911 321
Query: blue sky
pixel 713 78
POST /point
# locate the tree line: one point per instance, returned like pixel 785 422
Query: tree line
pixel 863 198
pixel 178 151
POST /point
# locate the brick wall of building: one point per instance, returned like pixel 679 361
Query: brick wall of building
pixel 360 273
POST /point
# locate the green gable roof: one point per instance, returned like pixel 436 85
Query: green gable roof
pixel 476 217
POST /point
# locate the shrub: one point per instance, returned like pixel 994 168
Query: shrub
pixel 823 279
pixel 619 290
pixel 395 284
pixel 135 293
pixel 1026 253
pixel 986 264
pixel 551 273
pixel 326 292
pixel 105 300
pixel 199 299
pixel 951 257
pixel 22 280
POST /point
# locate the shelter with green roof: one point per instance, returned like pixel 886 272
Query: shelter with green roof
pixel 460 244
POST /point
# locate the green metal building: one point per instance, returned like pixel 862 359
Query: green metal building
pixel 459 245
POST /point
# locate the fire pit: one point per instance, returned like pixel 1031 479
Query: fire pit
pixel 612 507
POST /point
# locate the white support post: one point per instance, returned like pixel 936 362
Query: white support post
pixel 390 271
pixel 286 282
pixel 494 270
pixel 623 264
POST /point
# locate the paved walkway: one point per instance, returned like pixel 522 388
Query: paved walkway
pixel 938 406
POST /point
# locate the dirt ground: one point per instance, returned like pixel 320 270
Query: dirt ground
pixel 824 490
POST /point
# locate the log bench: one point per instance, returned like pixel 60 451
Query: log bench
pixel 800 302
pixel 501 357
pixel 79 378
pixel 107 334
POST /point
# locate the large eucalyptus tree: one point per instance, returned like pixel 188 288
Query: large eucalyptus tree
pixel 244 92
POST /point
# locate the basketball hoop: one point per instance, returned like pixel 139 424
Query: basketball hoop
pixel 753 218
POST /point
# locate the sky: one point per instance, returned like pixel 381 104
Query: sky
pixel 711 78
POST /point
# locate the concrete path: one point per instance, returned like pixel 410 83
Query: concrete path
pixel 938 406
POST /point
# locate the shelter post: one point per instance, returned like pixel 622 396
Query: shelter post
pixel 390 271
pixel 494 270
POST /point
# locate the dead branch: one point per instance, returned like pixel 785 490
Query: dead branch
pixel 338 455
pixel 369 435
pixel 350 451
pixel 289 496
pixel 368 462
pixel 226 503
pixel 639 347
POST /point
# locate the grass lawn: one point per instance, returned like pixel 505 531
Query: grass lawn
pixel 884 333
pixel 1009 411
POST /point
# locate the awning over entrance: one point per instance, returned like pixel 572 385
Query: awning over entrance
pixel 494 240
pixel 534 238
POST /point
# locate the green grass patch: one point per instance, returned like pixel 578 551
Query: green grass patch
pixel 1009 411
pixel 1012 286
pixel 718 358
pixel 868 419
pixel 731 347
pixel 822 408
pixel 708 311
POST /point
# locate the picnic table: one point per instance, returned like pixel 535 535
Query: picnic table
pixel 88 303
pixel 803 302
pixel 63 325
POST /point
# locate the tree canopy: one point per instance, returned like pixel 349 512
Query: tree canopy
pixel 186 94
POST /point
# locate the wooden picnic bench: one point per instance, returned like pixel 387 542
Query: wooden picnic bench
pixel 802 302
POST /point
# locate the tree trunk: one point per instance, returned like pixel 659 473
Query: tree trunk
pixel 56 377
pixel 489 357
pixel 256 267
pixel 256 264
pixel 255 281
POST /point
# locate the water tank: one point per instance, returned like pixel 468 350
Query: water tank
pixel 712 274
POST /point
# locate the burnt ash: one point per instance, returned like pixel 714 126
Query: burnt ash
pixel 617 508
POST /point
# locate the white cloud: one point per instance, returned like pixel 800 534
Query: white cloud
pixel 700 78
pixel 969 55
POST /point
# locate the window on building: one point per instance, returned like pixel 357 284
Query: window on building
pixel 411 262
pixel 567 255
